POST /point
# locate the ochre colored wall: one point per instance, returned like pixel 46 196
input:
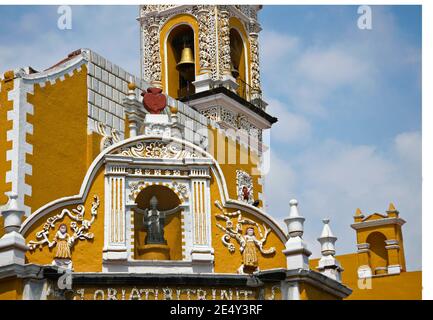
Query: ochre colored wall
pixel 60 114
pixel 93 147
pixel 11 289
pixel 218 141
pixel 86 254
pixel 309 292
pixel 405 286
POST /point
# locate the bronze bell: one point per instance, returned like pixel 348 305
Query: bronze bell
pixel 186 59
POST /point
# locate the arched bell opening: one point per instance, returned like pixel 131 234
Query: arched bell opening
pixel 149 243
pixel 238 64
pixel 181 61
pixel 378 253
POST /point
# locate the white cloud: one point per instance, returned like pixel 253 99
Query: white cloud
pixel 112 31
pixel 308 75
pixel 408 146
pixel 331 67
pixel 336 178
pixel 276 46
pixel 291 127
pixel 280 182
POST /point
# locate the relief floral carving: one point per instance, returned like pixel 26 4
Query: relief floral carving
pixel 247 240
pixel 62 239
pixel 157 150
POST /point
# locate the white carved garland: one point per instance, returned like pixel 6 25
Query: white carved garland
pixel 79 225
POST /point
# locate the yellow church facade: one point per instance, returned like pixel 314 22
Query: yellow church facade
pixel 123 187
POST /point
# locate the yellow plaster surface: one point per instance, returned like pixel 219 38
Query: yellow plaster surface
pixel 86 254
pixel 405 286
pixel 58 168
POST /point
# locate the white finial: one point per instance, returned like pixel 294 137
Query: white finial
pixel 327 239
pixel 295 223
pixel 293 208
pixel 328 264
pixel 12 214
pixel 296 251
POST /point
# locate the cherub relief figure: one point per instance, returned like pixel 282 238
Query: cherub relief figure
pixel 248 242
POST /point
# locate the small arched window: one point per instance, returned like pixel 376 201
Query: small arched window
pixel 378 252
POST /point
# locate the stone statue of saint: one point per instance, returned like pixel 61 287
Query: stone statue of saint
pixel 154 221
pixel 248 250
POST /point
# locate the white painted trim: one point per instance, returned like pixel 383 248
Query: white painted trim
pixel 258 213
pixel 220 99
pixel 20 147
pixel 57 72
pixel 379 222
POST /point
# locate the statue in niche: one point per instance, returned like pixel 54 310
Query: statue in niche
pixel 154 221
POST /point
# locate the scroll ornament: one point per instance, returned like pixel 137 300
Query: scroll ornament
pixel 62 239
pixel 247 239
pixel 157 150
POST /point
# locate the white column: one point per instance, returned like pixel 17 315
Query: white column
pixel 202 251
pixel 115 217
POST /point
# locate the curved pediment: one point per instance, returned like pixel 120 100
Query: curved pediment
pixel 128 168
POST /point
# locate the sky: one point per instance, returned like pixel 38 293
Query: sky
pixel 348 102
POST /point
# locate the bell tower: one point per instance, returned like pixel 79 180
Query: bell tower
pixel 208 57
pixel 380 243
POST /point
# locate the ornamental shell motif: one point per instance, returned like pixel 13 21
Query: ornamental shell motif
pixel 157 150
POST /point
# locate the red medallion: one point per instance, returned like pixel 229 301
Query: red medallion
pixel 153 100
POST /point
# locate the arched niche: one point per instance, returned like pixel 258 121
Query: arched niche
pixel 378 252
pixel 180 78
pixel 240 55
pixel 167 199
pixel 238 61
